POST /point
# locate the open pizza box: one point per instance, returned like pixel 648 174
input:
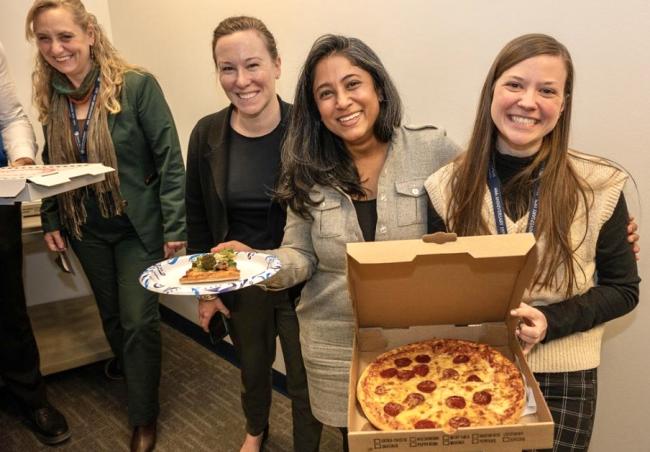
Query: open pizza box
pixel 409 290
pixel 32 182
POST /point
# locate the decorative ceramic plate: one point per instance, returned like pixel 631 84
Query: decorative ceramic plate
pixel 164 276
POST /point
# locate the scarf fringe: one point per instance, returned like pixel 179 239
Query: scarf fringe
pixel 62 149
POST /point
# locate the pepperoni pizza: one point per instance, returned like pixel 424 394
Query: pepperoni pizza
pixel 441 383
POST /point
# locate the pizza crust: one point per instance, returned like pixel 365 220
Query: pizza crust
pixel 435 384
pixel 193 276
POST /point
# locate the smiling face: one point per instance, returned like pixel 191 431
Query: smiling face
pixel 347 100
pixel 527 102
pixel 63 43
pixel 247 72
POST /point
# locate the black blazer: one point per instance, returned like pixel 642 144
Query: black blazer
pixel 207 181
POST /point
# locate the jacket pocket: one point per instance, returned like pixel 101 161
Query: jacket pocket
pixel 329 218
pixel 411 202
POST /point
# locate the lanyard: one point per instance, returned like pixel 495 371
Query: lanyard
pixel 494 184
pixel 81 138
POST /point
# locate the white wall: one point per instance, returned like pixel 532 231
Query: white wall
pixel 438 53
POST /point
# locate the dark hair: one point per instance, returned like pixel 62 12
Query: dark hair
pixel 242 23
pixel 311 154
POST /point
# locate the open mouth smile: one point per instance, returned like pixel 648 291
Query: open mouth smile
pixel 345 120
pixel 523 120
pixel 247 96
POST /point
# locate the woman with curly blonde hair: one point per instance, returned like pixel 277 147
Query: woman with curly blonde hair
pixel 97 108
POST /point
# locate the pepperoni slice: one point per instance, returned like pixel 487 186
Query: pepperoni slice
pixel 459 359
pixel 403 362
pixel 381 390
pixel 482 398
pixel 455 402
pixel 425 423
pixel 405 374
pixel 459 421
pixel 393 409
pixel 427 386
pixel 448 374
pixel 414 399
pixel 474 377
pixel 388 373
pixel 421 370
pixel 423 359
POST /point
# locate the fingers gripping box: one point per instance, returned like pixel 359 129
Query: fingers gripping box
pixel 410 290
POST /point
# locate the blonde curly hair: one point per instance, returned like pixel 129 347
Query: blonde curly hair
pixel 112 65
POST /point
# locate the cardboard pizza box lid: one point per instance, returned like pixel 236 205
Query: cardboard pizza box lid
pixel 473 280
pixel 31 182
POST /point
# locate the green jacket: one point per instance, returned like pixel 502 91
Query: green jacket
pixel 150 165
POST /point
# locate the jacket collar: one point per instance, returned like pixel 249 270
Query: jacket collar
pixel 218 142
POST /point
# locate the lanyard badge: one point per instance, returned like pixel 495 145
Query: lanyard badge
pixel 494 185
pixel 81 137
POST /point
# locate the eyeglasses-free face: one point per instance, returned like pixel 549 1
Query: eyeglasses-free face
pixel 347 100
pixel 247 72
pixel 527 102
pixel 63 43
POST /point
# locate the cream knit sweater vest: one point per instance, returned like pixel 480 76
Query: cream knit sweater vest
pixel 578 351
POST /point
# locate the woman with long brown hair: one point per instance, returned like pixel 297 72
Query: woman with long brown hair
pixel 97 108
pixel 518 175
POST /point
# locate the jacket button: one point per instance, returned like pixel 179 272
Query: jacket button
pixel 415 191
pixel 383 229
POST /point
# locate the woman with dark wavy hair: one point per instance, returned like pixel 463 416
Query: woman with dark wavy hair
pixel 351 172
pixel 519 175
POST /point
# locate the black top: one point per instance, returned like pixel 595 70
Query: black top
pixel 367 218
pixel 617 287
pixel 206 195
pixel 252 173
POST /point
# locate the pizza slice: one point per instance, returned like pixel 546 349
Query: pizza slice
pixel 212 267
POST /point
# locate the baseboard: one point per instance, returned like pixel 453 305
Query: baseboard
pixel 223 349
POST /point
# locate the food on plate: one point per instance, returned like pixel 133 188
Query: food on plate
pixel 212 267
pixel 441 383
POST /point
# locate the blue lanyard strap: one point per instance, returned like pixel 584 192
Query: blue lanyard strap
pixel 81 138
pixel 494 185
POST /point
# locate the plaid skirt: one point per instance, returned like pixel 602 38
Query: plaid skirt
pixel 571 398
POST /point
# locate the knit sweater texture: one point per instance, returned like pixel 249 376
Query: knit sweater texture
pixel 578 351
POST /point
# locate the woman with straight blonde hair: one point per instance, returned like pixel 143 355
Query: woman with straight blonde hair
pixel 97 108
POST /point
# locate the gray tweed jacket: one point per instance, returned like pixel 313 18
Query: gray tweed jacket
pixel 314 251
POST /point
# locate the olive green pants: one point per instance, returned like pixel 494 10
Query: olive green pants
pixel 113 257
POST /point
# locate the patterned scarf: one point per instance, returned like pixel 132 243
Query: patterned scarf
pixel 99 149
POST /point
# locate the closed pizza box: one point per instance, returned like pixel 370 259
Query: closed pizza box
pixel 32 182
pixel 411 290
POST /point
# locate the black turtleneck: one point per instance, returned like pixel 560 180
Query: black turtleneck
pixel 617 287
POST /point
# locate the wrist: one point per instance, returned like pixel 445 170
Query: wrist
pixel 207 298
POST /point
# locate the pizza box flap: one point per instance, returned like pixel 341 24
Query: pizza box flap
pixel 29 182
pixel 473 280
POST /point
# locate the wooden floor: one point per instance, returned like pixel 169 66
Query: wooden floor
pixel 69 334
